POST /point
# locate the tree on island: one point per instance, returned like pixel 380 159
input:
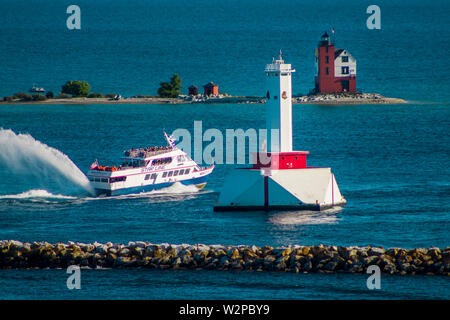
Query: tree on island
pixel 170 89
pixel 76 88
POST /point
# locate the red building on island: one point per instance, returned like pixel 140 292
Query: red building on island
pixel 336 68
pixel 211 89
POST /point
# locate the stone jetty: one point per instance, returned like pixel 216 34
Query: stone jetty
pixel 299 259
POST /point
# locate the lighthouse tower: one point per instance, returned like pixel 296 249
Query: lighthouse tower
pixel 280 178
pixel 336 68
pixel 279 106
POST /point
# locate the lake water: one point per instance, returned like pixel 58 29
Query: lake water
pixel 390 161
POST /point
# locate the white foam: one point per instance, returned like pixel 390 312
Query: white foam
pixel 23 155
pixel 306 217
pixel 175 189
pixel 36 193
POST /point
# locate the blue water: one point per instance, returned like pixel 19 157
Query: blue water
pixel 390 161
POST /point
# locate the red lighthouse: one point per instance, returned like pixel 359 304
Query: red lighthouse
pixel 336 68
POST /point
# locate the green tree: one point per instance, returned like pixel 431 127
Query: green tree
pixel 49 95
pixel 22 96
pixel 170 89
pixel 76 88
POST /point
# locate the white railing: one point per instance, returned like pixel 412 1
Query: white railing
pixel 279 68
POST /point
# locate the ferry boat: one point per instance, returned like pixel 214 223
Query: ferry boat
pixel 147 169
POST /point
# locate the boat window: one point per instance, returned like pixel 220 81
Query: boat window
pixel 154 176
pixel 97 180
pixel 135 163
pixel 170 173
pixel 162 161
pixel 91 179
pixel 118 179
pixel 186 171
pixel 175 173
pixel 181 172
pixel 195 170
pixel 164 174
pixel 104 180
pixel 147 176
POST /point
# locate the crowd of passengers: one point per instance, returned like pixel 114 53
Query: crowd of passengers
pixel 143 151
pixel 135 163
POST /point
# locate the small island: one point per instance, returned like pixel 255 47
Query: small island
pixel 78 92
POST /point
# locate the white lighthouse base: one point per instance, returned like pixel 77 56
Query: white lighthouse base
pixel 290 189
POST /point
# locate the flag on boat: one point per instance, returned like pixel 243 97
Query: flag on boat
pixel 94 165
pixel 170 140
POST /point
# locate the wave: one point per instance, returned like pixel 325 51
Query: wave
pixel 327 216
pixel 36 193
pixel 176 189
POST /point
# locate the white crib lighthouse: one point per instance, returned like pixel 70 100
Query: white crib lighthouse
pixel 279 106
pixel 280 178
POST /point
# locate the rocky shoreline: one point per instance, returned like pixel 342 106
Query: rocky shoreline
pixel 299 259
pixel 346 98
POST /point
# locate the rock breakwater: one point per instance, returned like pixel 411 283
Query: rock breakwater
pixel 300 259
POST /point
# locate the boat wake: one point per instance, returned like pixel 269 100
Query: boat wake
pixel 175 192
pixel 37 196
pixel 293 218
pixel 34 164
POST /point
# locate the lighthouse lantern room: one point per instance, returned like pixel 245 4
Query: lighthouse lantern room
pixel 279 178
